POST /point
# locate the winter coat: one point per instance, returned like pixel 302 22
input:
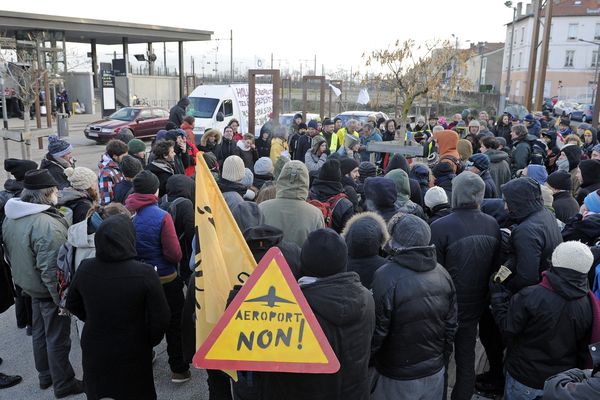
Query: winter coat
pixel 521 153
pixel 78 201
pixel 57 170
pixel 322 191
pixel 416 315
pixel 403 203
pixel 545 331
pixel 192 152
pixel 247 154
pixel 205 145
pixel 445 182
pixel 278 146
pixel 534 128
pixel 364 247
pixel 82 240
pixel 573 384
pixel 122 190
pixel 490 187
pixel 109 175
pixel 590 179
pixel 181 186
pixel 260 180
pixel 177 112
pixel 586 230
pixel 12 188
pixel 502 130
pixel 289 210
pixel 439 211
pixel 468 231
pixel 261 238
pixel 303 145
pixel 447 141
pixel 263 146
pixel 535 236
pixel 565 206
pixel 33 234
pixel 125 311
pixel 314 163
pixel 399 162
pixel 233 192
pixel 499 168
pixel 225 149
pixel 163 171
pixel 345 311
pixel 189 132
pixel 381 195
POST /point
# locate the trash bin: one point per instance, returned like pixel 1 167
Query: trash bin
pixel 62 120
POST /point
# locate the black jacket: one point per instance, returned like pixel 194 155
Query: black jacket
pixel 56 170
pixel 122 190
pixel 416 315
pixel 346 313
pixel 260 180
pixel 535 236
pixel 590 179
pixel 445 182
pixel 225 149
pixel 322 191
pixel 437 212
pixel 125 312
pixel 565 206
pixel 79 202
pixel 503 131
pixel 12 188
pixel 163 171
pixel 574 384
pixel 491 192
pixel 177 112
pixel 467 244
pixel 584 230
pixel 181 186
pixel 248 157
pixel 302 146
pixel 263 146
pixel 546 331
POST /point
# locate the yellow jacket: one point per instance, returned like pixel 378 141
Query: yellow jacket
pixel 337 140
pixel 278 145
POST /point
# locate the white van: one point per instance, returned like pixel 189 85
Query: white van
pixel 213 106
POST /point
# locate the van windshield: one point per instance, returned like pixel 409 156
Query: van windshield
pixel 202 107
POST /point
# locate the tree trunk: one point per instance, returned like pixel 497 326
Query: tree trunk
pixel 26 119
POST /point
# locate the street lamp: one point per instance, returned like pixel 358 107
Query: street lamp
pixel 512 36
pixel 596 62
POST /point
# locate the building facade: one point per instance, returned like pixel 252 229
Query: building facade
pixel 484 68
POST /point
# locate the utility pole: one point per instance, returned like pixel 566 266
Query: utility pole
pixel 231 56
pixel 164 56
pixel 533 55
pixel 539 93
pixel 512 40
pixel 315 66
pixel 271 60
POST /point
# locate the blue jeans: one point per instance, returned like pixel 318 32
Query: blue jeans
pixel 427 388
pixel 515 390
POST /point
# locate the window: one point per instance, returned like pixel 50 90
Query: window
pixel 572 34
pixel 569 55
pixel 522 34
pixel 227 108
pixel 597 32
pixel 594 58
pixel 483 71
pixel 520 59
pixel 518 88
pixel 160 113
pixel 145 114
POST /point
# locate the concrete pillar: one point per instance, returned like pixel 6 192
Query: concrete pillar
pixel 181 73
pixel 94 63
pixel 150 63
pixel 126 54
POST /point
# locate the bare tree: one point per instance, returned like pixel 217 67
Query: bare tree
pixel 436 70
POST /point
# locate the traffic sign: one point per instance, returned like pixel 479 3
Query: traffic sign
pixel 269 326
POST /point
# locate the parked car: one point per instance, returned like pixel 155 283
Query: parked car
pixel 287 118
pixel 360 116
pixel 564 107
pixel 143 121
pixel 583 113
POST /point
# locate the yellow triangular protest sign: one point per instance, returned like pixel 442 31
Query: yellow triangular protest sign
pixel 223 258
pixel 269 326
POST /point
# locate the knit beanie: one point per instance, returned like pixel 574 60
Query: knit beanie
pixel 248 178
pixel 233 169
pixel 58 147
pixel 136 146
pixel 559 180
pixel 348 165
pixel 573 255
pixel 538 173
pixel 263 166
pixel 81 178
pixel 130 166
pixel 125 135
pixel 435 196
pixel 465 149
pixel 407 230
pixel 18 168
pixel 480 161
pixel 313 124
pixel 37 179
pixel 330 171
pixel 323 254
pixel 366 170
pixel 592 201
pixel 145 183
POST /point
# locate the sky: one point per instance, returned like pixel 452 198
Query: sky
pixel 337 32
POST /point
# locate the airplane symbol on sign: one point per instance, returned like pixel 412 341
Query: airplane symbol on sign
pixel 270 299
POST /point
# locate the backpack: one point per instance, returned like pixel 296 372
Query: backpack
pixel 171 208
pixel 538 152
pixel 328 206
pixel 453 160
pixel 65 271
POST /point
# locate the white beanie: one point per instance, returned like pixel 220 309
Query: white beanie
pixel 573 255
pixel 263 166
pixel 233 169
pixel 81 178
pixel 435 196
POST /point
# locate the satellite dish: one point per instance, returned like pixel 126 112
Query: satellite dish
pixel 151 57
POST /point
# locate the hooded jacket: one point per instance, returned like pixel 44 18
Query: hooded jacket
pixel 278 146
pixel 381 195
pixel 573 153
pixel 79 237
pixel 521 153
pixel 345 311
pixel 545 331
pixel 322 191
pixel 182 187
pixel 12 188
pixel 365 233
pixel 77 200
pixel 590 179
pixel 490 186
pixel 289 210
pixel 535 236
pixel 416 315
pixel 499 168
pixel 403 203
pixel 399 162
pixel 57 170
pixel 163 171
pixel 314 163
pixel 586 230
pixel 565 206
pixel 447 141
pixel 226 148
pixel 503 130
pixel 205 145
pixel 263 146
pixel 33 234
pixel 467 231
pixel 98 294
pixel 177 112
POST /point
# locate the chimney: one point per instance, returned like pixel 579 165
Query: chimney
pixel 519 9
pixel 528 9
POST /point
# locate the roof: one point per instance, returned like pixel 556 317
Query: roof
pixel 83 30
pixel 567 8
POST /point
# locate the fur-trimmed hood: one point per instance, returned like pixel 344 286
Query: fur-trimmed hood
pixel 365 234
pixel 211 133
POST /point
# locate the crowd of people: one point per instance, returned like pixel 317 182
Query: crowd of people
pixel 491 233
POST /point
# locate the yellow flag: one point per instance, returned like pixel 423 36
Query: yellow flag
pixel 223 258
